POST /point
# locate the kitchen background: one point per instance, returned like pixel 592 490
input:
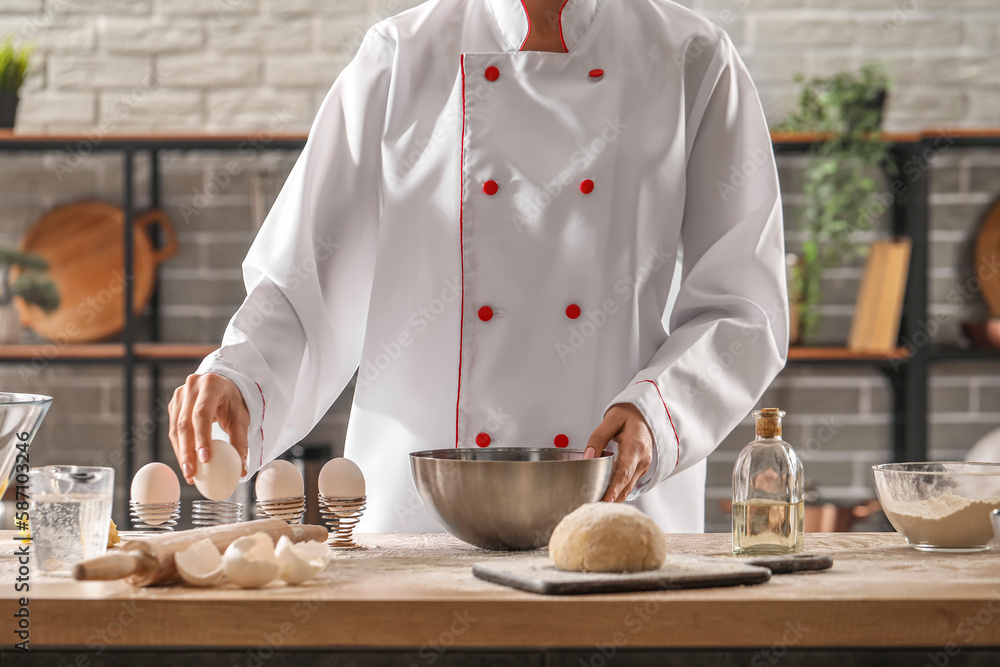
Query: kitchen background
pixel 113 66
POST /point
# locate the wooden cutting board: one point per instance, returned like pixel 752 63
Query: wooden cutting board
pixel 539 575
pixel 83 245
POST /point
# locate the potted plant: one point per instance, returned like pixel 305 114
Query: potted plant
pixel 30 285
pixel 13 69
pixel 838 187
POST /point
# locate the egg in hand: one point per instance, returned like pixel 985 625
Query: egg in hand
pixel 217 478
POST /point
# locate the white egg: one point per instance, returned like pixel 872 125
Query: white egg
pixel 279 479
pixel 341 478
pixel 155 483
pixel 218 478
pixel 249 562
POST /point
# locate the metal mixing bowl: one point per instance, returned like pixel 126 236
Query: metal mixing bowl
pixel 507 499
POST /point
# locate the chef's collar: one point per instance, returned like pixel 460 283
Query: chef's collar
pixel 573 20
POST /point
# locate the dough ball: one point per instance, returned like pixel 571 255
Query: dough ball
pixel 607 537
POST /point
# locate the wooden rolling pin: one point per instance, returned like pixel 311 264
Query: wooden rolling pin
pixel 150 560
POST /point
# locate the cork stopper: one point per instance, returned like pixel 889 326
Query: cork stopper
pixel 768 422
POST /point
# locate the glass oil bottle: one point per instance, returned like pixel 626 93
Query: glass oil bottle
pixel 768 501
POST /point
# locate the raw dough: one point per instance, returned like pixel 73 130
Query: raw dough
pixel 607 537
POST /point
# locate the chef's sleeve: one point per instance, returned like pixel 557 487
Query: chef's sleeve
pixel 295 342
pixel 728 330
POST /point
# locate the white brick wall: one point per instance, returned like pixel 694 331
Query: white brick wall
pixel 266 55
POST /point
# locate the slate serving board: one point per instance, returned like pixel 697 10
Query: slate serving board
pixel 539 575
pixel 792 563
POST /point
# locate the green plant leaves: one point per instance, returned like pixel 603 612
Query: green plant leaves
pixel 838 192
pixel 13 65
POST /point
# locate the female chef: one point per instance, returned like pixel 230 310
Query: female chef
pixel 516 221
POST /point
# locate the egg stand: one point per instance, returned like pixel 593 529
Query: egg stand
pixel 215 512
pixel 341 515
pixel 153 518
pixel 290 510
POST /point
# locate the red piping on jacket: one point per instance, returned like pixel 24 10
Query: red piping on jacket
pixel 263 411
pixel 461 250
pixel 527 17
pixel 669 418
pixel 561 38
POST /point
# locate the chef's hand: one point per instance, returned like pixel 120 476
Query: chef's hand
pixel 624 424
pixel 202 400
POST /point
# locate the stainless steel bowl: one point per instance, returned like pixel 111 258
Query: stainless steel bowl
pixel 507 499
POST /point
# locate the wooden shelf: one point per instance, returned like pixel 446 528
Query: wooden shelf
pixel 956 353
pixel 103 352
pixel 173 351
pixel 843 354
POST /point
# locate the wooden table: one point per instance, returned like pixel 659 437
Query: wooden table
pixel 417 592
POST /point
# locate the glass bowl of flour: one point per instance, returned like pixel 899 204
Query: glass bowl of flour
pixel 940 505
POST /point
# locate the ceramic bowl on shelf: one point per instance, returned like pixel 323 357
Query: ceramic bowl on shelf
pixel 983 335
pixel 940 505
pixel 507 498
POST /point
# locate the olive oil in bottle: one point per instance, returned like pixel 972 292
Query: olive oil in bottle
pixel 768 504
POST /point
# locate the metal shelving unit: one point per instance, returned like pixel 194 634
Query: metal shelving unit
pixel 907 368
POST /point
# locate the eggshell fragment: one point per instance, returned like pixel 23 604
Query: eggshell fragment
pixel 217 478
pixel 249 561
pixel 200 564
pixel 301 562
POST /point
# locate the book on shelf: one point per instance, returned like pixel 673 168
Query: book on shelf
pixel 875 327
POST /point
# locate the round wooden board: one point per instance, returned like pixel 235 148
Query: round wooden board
pixel 83 245
pixel 987 257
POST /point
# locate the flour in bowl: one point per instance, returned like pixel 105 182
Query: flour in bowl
pixel 947 521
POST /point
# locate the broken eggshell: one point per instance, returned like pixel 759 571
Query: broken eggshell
pixel 249 562
pixel 200 564
pixel 301 562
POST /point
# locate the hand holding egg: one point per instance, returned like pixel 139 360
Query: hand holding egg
pixel 218 477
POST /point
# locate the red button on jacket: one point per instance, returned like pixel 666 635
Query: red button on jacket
pixel 486 313
pixel 596 73
pixel 561 440
pixel 492 73
pixel 572 311
pixel 483 440
pixel 491 187
pixel 587 187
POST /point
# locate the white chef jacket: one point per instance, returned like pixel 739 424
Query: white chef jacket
pixel 503 244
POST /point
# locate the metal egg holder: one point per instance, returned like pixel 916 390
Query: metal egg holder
pixel 154 518
pixel 341 515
